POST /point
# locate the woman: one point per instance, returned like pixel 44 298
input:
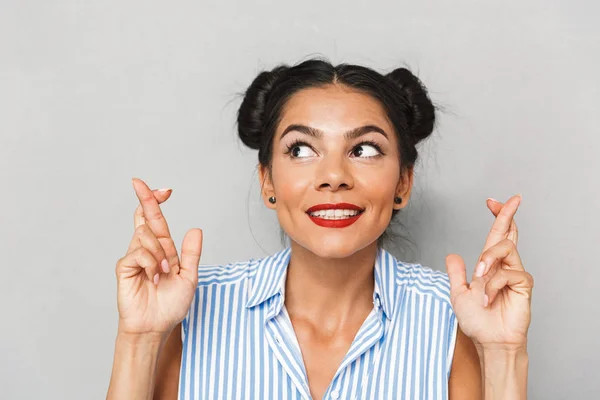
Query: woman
pixel 334 315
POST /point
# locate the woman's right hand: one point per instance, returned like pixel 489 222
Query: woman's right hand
pixel 154 295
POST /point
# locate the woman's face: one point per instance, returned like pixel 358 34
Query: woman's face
pixel 335 145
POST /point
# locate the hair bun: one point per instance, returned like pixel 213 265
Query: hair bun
pixel 251 114
pixel 421 112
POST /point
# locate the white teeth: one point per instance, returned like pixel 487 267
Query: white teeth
pixel 334 214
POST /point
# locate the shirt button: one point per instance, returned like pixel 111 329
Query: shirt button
pixel 377 303
pixel 335 395
pixel 278 340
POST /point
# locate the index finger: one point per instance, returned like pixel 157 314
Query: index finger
pixel 513 232
pixel 161 196
pixel 502 225
pixel 505 251
pixel 152 213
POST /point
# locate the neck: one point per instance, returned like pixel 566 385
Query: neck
pixel 329 289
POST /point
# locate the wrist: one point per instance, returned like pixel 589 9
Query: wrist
pixel 142 339
pixel 504 370
pixel 502 350
pixel 134 365
pixel 507 348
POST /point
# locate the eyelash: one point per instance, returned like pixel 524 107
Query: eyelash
pixel 299 142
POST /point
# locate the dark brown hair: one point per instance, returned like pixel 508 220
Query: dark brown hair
pixel 402 95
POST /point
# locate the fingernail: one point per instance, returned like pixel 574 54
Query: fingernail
pixel 486 300
pixel 156 279
pixel 165 266
pixel 164 190
pixel 494 200
pixel 479 269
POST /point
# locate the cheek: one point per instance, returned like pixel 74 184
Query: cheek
pixel 379 184
pixel 291 182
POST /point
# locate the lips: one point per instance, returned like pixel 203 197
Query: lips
pixel 335 223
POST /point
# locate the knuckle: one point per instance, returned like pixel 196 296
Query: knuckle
pixel 137 253
pixel 171 241
pixel 133 245
pixel 147 233
pixel 146 195
pixel 174 260
pixel 154 214
pixel 159 254
pixel 499 276
pixel 158 250
pixel 141 230
pixel 497 230
pixel 490 254
pixel 529 278
pixel 156 247
pixel 492 284
pixel 150 241
pixel 143 254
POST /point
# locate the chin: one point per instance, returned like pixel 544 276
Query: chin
pixel 334 246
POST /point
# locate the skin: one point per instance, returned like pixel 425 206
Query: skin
pixel 336 265
pixel 330 277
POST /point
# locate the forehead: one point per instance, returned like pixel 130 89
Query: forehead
pixel 333 108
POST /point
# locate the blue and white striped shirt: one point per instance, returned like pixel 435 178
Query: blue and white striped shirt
pixel 239 343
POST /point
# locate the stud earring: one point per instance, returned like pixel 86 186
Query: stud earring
pixel 272 200
pixel 398 200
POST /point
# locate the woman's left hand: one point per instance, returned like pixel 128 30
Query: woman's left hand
pixel 494 310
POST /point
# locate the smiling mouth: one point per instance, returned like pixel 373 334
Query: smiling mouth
pixel 338 215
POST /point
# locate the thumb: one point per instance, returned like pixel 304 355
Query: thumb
pixel 190 255
pixel 457 272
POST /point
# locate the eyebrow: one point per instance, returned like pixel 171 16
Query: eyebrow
pixel 317 134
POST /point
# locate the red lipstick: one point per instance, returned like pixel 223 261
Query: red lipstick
pixel 334 223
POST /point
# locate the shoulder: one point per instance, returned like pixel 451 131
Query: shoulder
pixel 426 296
pixel 423 280
pixel 222 286
pixel 435 285
pixel 226 274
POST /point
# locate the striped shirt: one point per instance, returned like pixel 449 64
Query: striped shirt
pixel 239 343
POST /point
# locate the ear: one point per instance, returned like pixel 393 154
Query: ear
pixel 266 186
pixel 404 187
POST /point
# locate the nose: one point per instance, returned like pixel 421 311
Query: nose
pixel 333 174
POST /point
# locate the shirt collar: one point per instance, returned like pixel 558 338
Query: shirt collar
pixel 386 288
pixel 269 277
pixel 269 280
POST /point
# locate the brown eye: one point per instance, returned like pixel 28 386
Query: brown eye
pixel 301 151
pixel 365 151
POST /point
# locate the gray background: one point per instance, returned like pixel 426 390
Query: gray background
pixel 94 93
